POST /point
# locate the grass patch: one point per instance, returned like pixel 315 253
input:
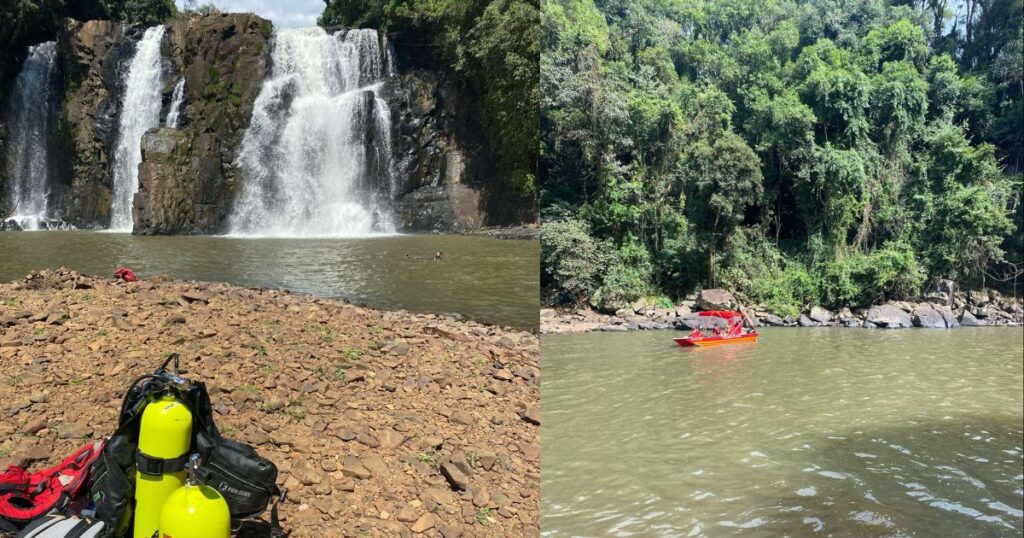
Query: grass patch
pixel 483 516
pixel 353 353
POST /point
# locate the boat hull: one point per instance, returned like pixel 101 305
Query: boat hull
pixel 709 341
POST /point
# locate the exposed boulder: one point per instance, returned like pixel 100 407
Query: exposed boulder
pixel 925 316
pixel 716 299
pixel 978 297
pixel 773 320
pixel 820 315
pixel 888 316
pixel 968 320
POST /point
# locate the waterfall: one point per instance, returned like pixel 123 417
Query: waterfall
pixel 140 111
pixel 317 154
pixel 31 115
pixel 174 114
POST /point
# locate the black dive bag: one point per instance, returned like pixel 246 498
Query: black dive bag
pixel 245 479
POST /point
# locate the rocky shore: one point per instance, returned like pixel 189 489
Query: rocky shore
pixel 381 423
pixel 942 308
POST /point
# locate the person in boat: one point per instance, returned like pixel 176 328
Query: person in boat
pixel 696 333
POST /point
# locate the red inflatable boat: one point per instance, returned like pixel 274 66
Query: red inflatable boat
pixel 710 333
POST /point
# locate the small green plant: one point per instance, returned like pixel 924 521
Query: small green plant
pixel 5 450
pixel 339 375
pixel 102 332
pixel 13 302
pixel 325 332
pixel 483 515
pixel 38 331
pixel 429 458
pixel 471 458
pixel 250 388
pixel 262 351
pixel 228 430
pixel 297 413
pixel 353 353
pixel 272 368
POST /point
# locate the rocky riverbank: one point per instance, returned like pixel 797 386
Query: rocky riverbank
pixel 942 308
pixel 381 423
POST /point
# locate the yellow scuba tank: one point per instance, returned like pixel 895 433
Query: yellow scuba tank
pixel 195 511
pixel 165 434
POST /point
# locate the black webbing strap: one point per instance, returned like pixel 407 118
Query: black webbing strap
pixel 79 529
pixel 147 464
pixel 275 522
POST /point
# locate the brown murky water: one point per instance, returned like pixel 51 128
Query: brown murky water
pixel 844 432
pixel 484 279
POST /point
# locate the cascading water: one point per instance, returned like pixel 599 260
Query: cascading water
pixel 140 111
pixel 30 119
pixel 177 97
pixel 317 154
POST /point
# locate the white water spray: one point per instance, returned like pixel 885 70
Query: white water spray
pixel 177 98
pixel 140 111
pixel 317 154
pixel 31 115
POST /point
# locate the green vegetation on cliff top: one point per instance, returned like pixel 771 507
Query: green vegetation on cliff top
pixel 492 46
pixel 834 152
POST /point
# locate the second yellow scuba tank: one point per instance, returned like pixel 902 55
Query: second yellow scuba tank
pixel 165 436
pixel 195 511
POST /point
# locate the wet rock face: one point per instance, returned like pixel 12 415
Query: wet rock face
pixel 92 57
pixel 441 170
pixel 187 179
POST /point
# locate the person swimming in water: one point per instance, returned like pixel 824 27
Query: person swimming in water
pixel 438 254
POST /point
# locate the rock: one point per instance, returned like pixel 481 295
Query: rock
pixel 773 320
pixel 820 315
pixel 716 299
pixel 978 297
pixel 455 476
pixel 614 328
pixel 353 467
pixel 888 316
pixel 805 321
pixel 968 320
pixel 390 439
pixel 531 414
pixel 947 316
pixel 464 418
pixel 639 306
pixel 423 524
pixel 925 316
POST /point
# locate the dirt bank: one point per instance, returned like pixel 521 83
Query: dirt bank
pixel 381 423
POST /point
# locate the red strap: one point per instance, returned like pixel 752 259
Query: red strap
pixel 30 496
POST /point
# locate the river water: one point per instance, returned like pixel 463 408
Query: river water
pixel 488 280
pixel 845 432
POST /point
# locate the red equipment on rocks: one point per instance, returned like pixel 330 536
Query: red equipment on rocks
pixel 25 496
pixel 126 274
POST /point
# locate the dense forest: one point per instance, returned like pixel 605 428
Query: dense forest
pixel 492 46
pixel 829 152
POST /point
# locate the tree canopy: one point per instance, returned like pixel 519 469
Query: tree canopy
pixel 833 152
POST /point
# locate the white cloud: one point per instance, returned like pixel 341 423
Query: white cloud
pixel 282 13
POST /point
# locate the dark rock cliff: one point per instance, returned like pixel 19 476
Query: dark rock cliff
pixel 187 179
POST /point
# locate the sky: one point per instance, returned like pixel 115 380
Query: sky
pixel 281 12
